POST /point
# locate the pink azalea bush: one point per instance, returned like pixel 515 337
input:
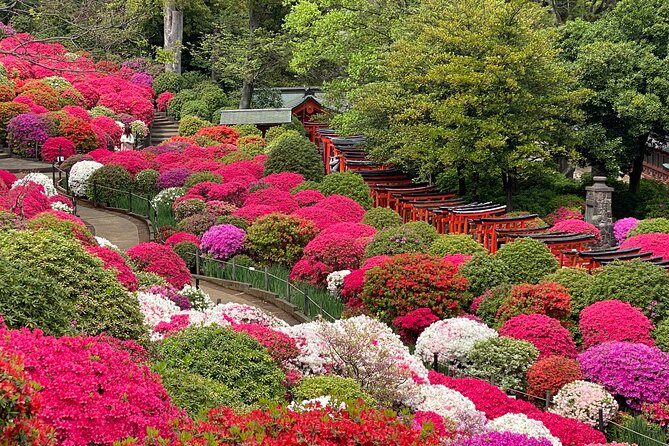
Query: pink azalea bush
pixel 322 218
pixel 502 439
pixel 281 201
pixel 575 226
pixel 347 209
pixel 658 244
pixel 223 241
pixel 163 99
pixel 161 260
pixel 181 237
pixel 55 147
pixel 338 250
pixel 114 260
pixel 308 197
pixel 94 392
pixel 284 181
pixel 545 333
pixel 613 320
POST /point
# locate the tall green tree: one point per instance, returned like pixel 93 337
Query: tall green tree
pixel 622 58
pixel 472 84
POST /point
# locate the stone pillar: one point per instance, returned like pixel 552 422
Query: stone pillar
pixel 598 209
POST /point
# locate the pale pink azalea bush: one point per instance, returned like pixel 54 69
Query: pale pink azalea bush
pixel 583 400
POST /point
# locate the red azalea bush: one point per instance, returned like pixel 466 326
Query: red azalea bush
pixel 131 160
pixel 77 112
pixel 547 298
pixel 80 133
pixel 284 181
pixel 251 213
pixel 319 426
pixel 657 412
pixel 181 237
pixel 356 230
pixel 21 405
pixel 55 147
pixel 412 324
pixel 281 347
pixel 575 226
pixel 353 284
pixel 281 200
pixel 308 197
pixel 109 126
pixel 551 374
pixel 570 432
pixel 314 273
pixel 163 99
pixel 7 178
pixel 337 250
pixel 347 209
pixel 233 193
pixel 613 320
pixel 100 154
pixel 322 218
pixel 457 259
pixel 545 333
pixel 409 281
pixel 25 200
pixel 93 392
pixel 114 260
pixel 219 133
pixel 658 244
pixel 161 260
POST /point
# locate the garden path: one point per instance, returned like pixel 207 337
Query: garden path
pixel 126 232
pixel 18 165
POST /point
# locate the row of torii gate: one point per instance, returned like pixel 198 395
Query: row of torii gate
pixel 485 222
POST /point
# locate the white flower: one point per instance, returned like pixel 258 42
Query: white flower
pixel 582 400
pixel 167 196
pixel 139 128
pixel 38 178
pixel 197 295
pixel 335 280
pixel 519 423
pixel 58 206
pixel 451 339
pixel 156 309
pixel 232 313
pixel 451 404
pixel 312 359
pixel 105 243
pixel 79 175
pixel 316 403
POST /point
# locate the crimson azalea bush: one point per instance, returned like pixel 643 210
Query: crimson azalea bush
pixel 613 320
pixel 314 273
pixel 284 181
pixel 21 405
pixel 94 391
pixel 407 282
pixel 550 374
pixel 545 333
pixel 281 347
pixel 637 372
pixel 337 250
pixel 163 99
pixel 55 147
pixel 412 324
pixel 322 218
pixel 308 197
pixel 545 298
pixel 113 260
pixel 347 209
pixel 161 260
pixel 576 226
pixel 26 200
pixel 279 239
pixel 656 243
pixel 569 431
pixel 283 201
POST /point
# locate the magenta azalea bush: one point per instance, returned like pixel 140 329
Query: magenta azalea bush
pixel 622 227
pixel 223 241
pixel 637 372
pixel 503 439
pixel 175 177
pixel 25 133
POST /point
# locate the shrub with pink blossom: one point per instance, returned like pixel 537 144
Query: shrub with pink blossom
pixel 93 391
pixel 356 230
pixel 163 99
pixel 114 260
pixel 281 200
pixel 175 177
pixel 161 260
pixel 7 178
pixel 637 372
pixel 131 160
pixel 337 250
pixel 142 79
pixel 412 324
pixel 314 273
pixel 502 439
pixel 353 284
pixel 567 430
pixel 223 241
pixel 457 259
pixel 613 320
pixel 308 197
pixel 322 218
pixel 347 209
pixel 545 333
pixel 57 147
pixel 583 400
pixel 26 133
pixel 25 200
pixel 233 193
pixel 656 243
pixel 181 237
pixel 251 213
pixel 562 214
pixel 622 227
pixel 575 226
pixel 284 181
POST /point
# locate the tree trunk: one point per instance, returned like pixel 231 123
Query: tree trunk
pixel 462 182
pixel 510 183
pixel 173 35
pixel 637 166
pixel 249 84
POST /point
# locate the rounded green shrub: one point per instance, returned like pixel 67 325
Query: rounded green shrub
pixel 279 239
pixel 198 224
pixel 577 281
pixel 194 393
pixel 109 183
pixel 31 298
pixel 178 101
pixel 661 335
pixel 490 302
pixel 101 303
pixel 202 177
pixel 339 389
pixel 484 272
pixel 195 80
pixel 348 184
pixel 448 244
pixel 232 220
pixel 246 130
pixel 295 154
pixel 147 280
pixel 145 181
pixel 641 284
pixel 274 132
pixel 306 185
pixel 167 81
pixel 188 208
pixel 399 240
pixel 502 361
pixel 244 261
pixel 189 125
pixel 186 250
pixel 382 218
pixel 215 98
pixel 426 231
pixel 196 107
pixel 651 226
pixel 527 260
pixel 100 110
pixel 234 359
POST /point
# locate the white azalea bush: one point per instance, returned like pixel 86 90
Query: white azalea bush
pixel 321 402
pixel 519 423
pixel 38 178
pixel 451 339
pixel 79 176
pixel 58 206
pixel 452 405
pixel 582 400
pixel 335 281
pixel 166 197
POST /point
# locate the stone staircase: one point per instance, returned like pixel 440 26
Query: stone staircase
pixel 4 152
pixel 163 128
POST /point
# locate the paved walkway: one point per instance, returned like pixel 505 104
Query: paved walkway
pixel 126 232
pixel 17 165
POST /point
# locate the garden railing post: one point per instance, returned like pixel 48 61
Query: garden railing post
pixel 130 200
pixel 435 365
pixel 148 206
pixel 266 278
pixel 600 420
pixel 197 267
pixel 234 270
pixel 548 399
pixel 288 289
pixel 306 303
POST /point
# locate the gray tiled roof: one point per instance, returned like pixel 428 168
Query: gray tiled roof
pixel 256 116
